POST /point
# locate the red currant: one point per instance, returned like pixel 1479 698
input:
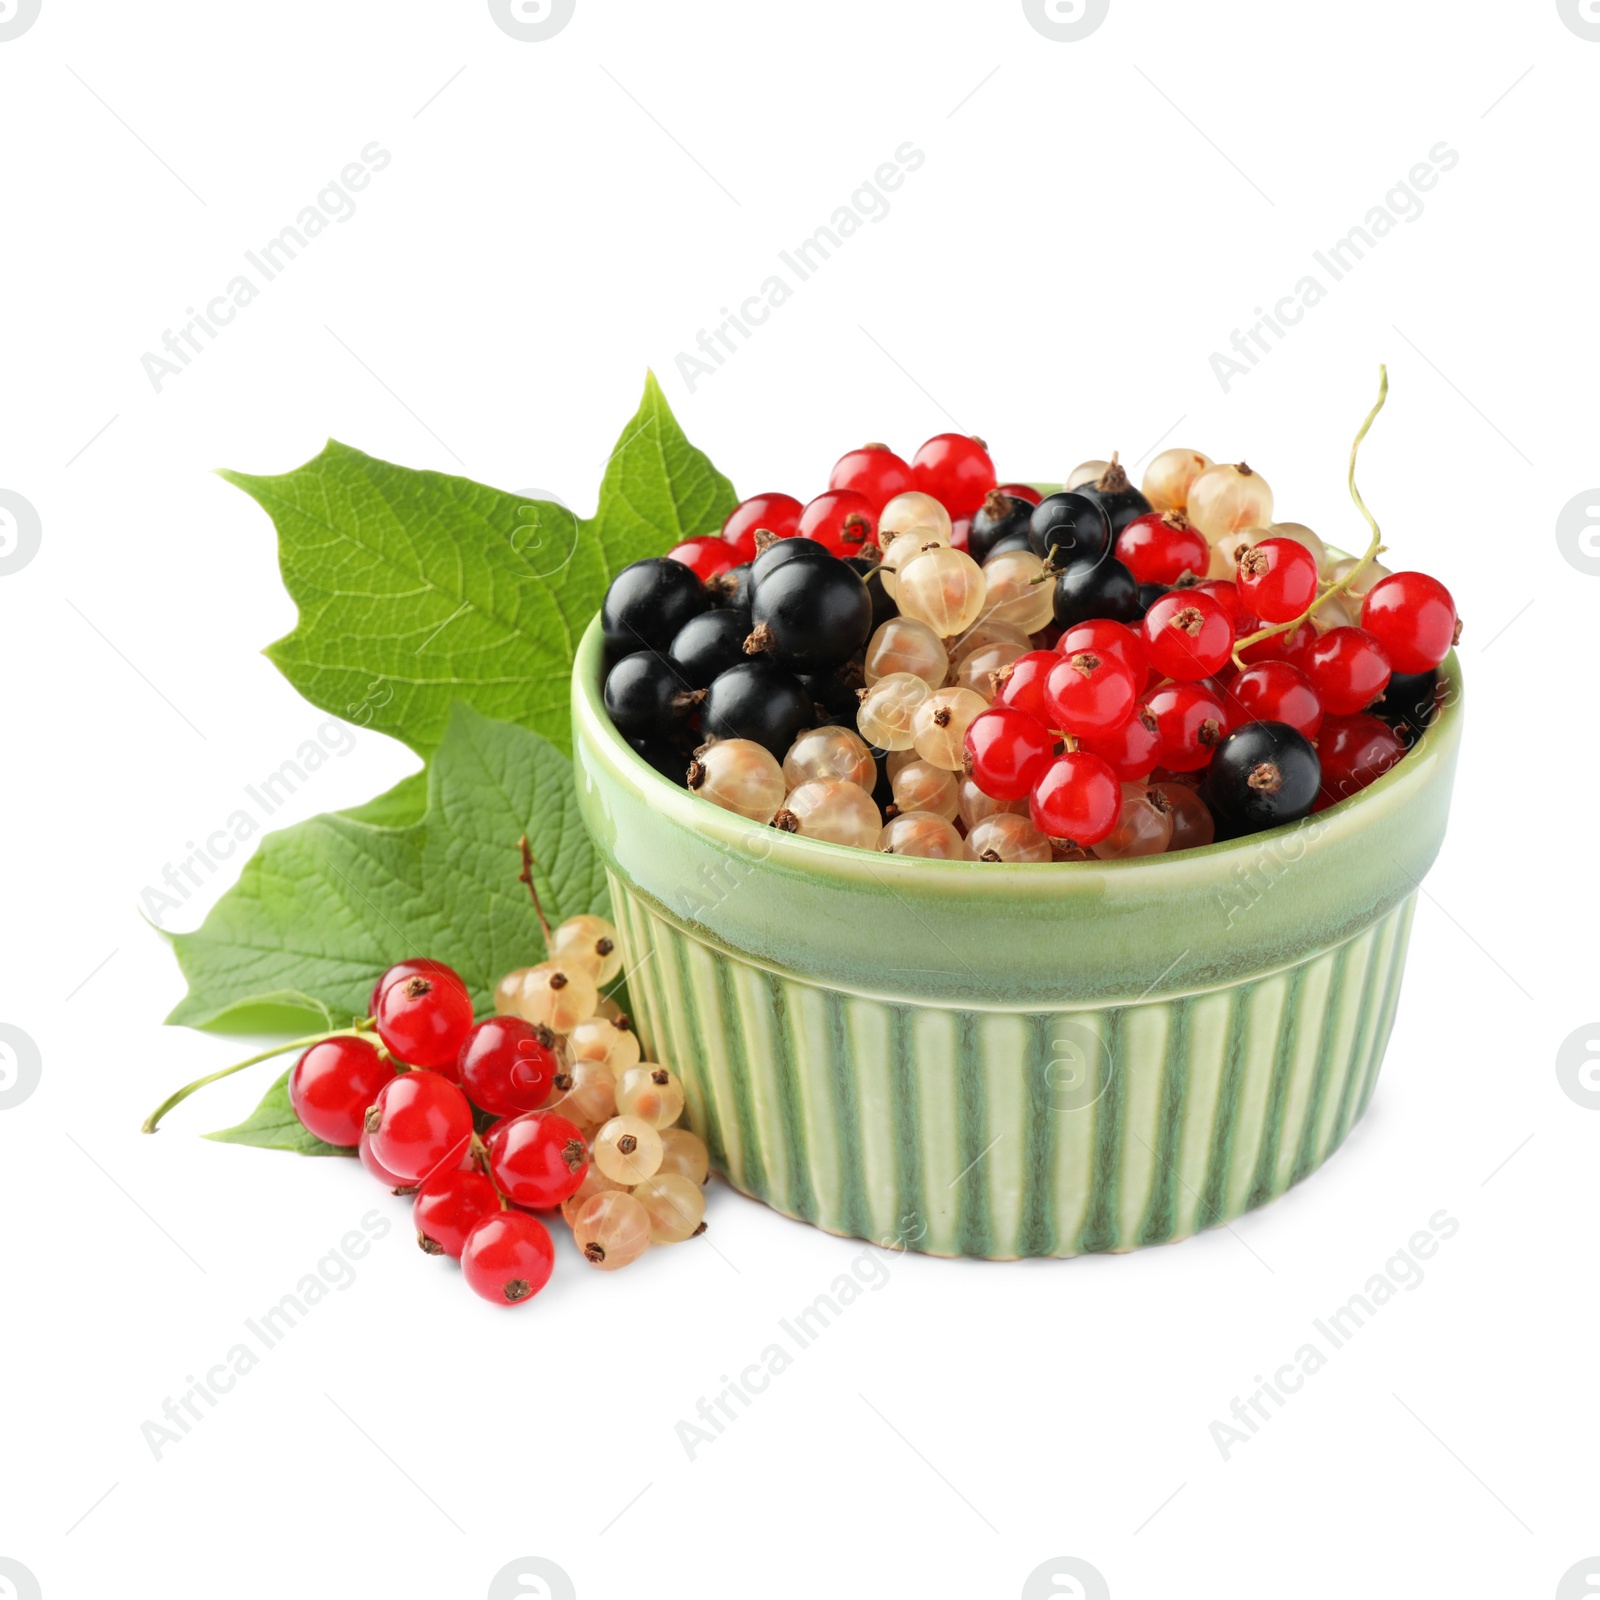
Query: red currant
pixel 507 1066
pixel 424 1018
pixel 1089 693
pixel 1353 751
pixel 508 1258
pixel 539 1160
pixel 707 557
pixel 1077 799
pixel 842 520
pixel 1274 691
pixel 332 1085
pixel 1107 638
pixel 1161 546
pixel 406 969
pixel 1288 646
pixel 1227 591
pixel 1189 720
pixel 1348 668
pixel 1022 683
pixel 1006 751
pixel 778 513
pixel 1414 618
pixel 1022 491
pixel 1131 750
pixel 1277 578
pixel 449 1205
pixel 875 472
pixel 1189 634
pixel 956 471
pixel 418 1121
pixel 390 1180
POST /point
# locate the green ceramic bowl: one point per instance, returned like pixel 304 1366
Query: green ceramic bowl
pixel 977 1059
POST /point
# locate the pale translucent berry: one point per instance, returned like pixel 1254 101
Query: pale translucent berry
pixel 628 1150
pixel 739 775
pixel 1168 477
pixel 1143 826
pixel 1192 822
pixel 921 786
pixel 600 1039
pixel 914 509
pixel 594 1182
pixel 973 805
pixel 1225 552
pixel 1005 836
pixel 557 995
pixel 833 811
pixel 939 726
pixel 591 940
pixel 1085 472
pixel 988 630
pixel 684 1153
pixel 675 1206
pixel 508 991
pixel 829 752
pixel 943 588
pixel 1014 595
pixel 903 644
pixel 1371 575
pixel 921 833
pixel 588 1091
pixel 1224 499
pixel 901 550
pixel 1301 534
pixel 609 1009
pixel 611 1230
pixel 976 669
pixel 887 710
pixel 652 1093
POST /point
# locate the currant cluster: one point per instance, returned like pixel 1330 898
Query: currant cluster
pixel 929 663
pixel 547 1105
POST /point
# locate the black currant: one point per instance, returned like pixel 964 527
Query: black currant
pixel 731 589
pixel 646 695
pixel 664 755
pixel 837 694
pixel 1261 775
pixel 1149 593
pixel 1009 542
pixel 1116 496
pixel 998 516
pixel 757 700
pixel 811 615
pixel 1088 589
pixel 1073 524
pixel 709 644
pixel 883 606
pixel 781 552
pixel 1407 704
pixel 647 603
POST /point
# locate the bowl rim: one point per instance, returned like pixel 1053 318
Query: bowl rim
pixel 1042 878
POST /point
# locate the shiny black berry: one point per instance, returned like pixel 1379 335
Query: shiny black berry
pixel 665 755
pixel 1407 704
pixel 1010 542
pixel 1116 496
pixel 837 694
pixel 732 588
pixel 647 695
pixel 781 552
pixel 871 569
pixel 709 644
pixel 1261 775
pixel 1073 524
pixel 1149 593
pixel 999 516
pixel 757 700
pixel 810 615
pixel 646 605
pixel 1090 588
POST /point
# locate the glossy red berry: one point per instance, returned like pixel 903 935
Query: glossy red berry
pixel 779 514
pixel 1414 618
pixel 390 1180
pixel 507 1066
pixel 423 1019
pixel 333 1083
pixel 1189 635
pixel 1288 646
pixel 1021 685
pixel 406 969
pixel 1163 546
pixel 841 520
pixel 708 556
pixel 1274 691
pixel 1353 752
pixel 508 1258
pixel 1348 668
pixel 1190 721
pixel 1109 638
pixel 1226 591
pixel 1089 693
pixel 956 471
pixel 1277 578
pixel 539 1160
pixel 1022 491
pixel 1006 751
pixel 875 473
pixel 1076 799
pixel 1132 750
pixel 418 1121
pixel 449 1205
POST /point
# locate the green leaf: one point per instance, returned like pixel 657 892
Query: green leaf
pixel 274 1126
pixel 323 907
pixel 417 589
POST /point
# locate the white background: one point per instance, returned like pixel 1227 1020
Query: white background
pixel 1091 223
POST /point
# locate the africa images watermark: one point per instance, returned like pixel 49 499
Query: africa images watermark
pixel 334 202
pixel 869 203
pixel 1403 203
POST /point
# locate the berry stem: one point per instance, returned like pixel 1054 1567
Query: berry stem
pixel 1374 548
pixel 526 876
pixel 153 1121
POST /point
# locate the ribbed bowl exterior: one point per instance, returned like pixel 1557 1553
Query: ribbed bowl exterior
pixel 997 1060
